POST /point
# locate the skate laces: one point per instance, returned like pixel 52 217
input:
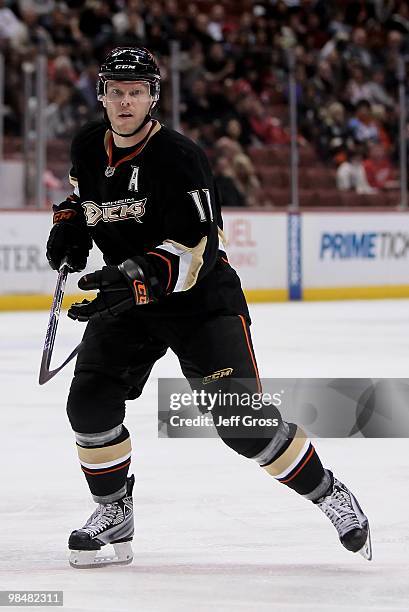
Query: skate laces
pixel 338 508
pixel 102 517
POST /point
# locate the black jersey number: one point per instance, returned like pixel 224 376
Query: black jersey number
pixel 197 199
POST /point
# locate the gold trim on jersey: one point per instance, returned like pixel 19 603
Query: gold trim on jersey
pixel 190 261
pixel 222 236
pixel 108 135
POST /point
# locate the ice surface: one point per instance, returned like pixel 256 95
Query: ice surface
pixel 213 531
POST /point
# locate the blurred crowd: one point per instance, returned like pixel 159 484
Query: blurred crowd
pixel 234 75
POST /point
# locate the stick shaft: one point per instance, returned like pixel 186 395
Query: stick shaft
pixel 45 373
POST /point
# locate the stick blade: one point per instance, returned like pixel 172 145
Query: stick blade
pixel 46 374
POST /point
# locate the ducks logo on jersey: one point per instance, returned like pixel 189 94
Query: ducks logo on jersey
pixel 109 212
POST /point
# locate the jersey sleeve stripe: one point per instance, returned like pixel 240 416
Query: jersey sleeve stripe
pixel 190 262
pixel 222 240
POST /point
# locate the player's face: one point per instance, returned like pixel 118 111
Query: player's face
pixel 126 103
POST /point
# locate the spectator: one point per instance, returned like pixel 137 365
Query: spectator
pixel 217 65
pixel 394 43
pixel 156 39
pixel 64 113
pixel 390 52
pixel 315 36
pixel 197 104
pixel 11 28
pixel 183 35
pixel 228 148
pixel 267 129
pixel 334 134
pixel 400 20
pixel 234 130
pixel 96 23
pixel 337 44
pixel 61 70
pixel 234 68
pixel 246 29
pixel 225 184
pixel 246 179
pixel 58 25
pixel 34 35
pixel 362 126
pixel 200 31
pixel 351 175
pixel 324 82
pixel 129 24
pixel 243 109
pixel 13 100
pixel 40 7
pixel 170 16
pixel 377 93
pixel 216 22
pixel 378 169
pixel 357 51
pixel 357 88
pixel 338 23
pixel 192 11
pixel 193 66
pixel 86 86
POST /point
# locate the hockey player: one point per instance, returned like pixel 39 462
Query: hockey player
pixel 145 195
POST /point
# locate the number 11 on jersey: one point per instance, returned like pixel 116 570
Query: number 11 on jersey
pixel 197 199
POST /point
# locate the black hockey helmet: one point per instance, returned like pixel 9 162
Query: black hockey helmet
pixel 130 64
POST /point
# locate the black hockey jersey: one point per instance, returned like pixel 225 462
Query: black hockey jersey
pixel 157 200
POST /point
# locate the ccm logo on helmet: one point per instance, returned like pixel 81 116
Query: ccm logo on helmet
pixel 125 67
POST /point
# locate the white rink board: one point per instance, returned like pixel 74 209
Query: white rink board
pixel 355 249
pixel 338 250
pixel 257 248
pixel 23 265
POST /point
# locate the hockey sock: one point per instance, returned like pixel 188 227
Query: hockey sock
pixel 105 458
pixel 293 461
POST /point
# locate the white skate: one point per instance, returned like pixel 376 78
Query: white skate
pixel 110 524
pixel 345 513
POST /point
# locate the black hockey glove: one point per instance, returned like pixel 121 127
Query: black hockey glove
pixel 120 289
pixel 68 238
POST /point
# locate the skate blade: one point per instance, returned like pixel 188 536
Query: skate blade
pixel 87 559
pixel 366 550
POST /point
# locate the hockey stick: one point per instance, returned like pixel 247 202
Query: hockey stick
pixel 45 373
